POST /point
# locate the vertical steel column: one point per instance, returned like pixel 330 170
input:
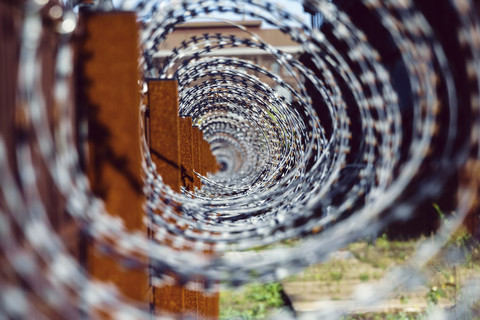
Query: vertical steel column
pixel 172 147
pixel 165 153
pixel 109 98
pixel 186 153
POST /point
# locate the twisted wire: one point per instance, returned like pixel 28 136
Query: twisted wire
pixel 328 174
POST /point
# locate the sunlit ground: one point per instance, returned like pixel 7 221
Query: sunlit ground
pixel 365 263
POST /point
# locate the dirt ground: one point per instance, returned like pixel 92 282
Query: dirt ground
pixel 362 267
pixel 362 270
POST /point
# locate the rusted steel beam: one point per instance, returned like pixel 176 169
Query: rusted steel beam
pixel 203 155
pixel 164 130
pixel 202 306
pixel 172 146
pixel 11 17
pixel 165 152
pixel 108 96
pixel 186 152
pixel 196 156
pixel 209 305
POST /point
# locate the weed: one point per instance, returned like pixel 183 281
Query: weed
pixel 269 293
pixel 434 293
pixel 398 316
pixel 336 275
pixel 382 242
pixel 403 299
pixel 372 258
pixel 254 302
pixel 364 277
pixel 439 211
pixel 384 316
pixel 319 277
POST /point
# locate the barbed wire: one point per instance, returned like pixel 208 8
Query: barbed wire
pixel 285 175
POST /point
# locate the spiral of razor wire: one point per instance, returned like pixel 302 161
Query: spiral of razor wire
pixel 337 160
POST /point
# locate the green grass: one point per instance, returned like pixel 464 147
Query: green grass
pixel 385 316
pixel 336 275
pixel 397 315
pixel 364 277
pixel 372 261
pixel 253 302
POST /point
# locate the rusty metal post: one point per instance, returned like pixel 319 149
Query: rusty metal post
pixel 165 153
pixel 107 72
pixel 11 17
pixel 164 130
pixel 203 155
pixel 196 156
pixel 191 298
pixel 172 150
pixel 209 306
pixel 186 152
